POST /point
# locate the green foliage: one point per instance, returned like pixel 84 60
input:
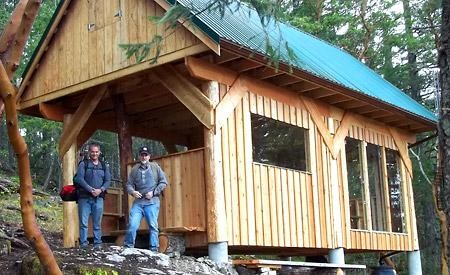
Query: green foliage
pixel 141 50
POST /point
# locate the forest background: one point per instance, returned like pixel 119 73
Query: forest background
pixel 397 39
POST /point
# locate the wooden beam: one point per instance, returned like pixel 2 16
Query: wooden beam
pixel 79 119
pixel 229 102
pixel 187 93
pixel 125 149
pixel 204 70
pixel 52 112
pixel 341 133
pixel 70 212
pixel 215 194
pixel 402 146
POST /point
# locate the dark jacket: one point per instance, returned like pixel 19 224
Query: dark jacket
pixel 95 177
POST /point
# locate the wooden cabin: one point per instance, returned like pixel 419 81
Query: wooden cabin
pixel 299 159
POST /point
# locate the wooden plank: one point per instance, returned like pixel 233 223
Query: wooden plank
pixel 259 223
pixel 188 94
pixel 241 177
pixel 284 203
pixel 267 108
pixel 234 181
pixel 386 195
pixel 273 108
pixel 314 229
pixel 227 182
pixel 260 104
pixel 335 235
pixel 178 219
pixel 298 208
pixel 304 208
pixel 366 185
pixel 84 111
pixel 316 170
pixel 323 211
pixel 346 203
pixel 248 160
pixel 280 111
pixel 279 207
pixel 265 204
pixel 252 99
pixel 273 207
pixel 291 208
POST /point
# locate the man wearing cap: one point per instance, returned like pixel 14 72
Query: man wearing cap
pixel 145 183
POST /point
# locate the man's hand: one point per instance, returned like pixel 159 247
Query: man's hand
pixel 149 195
pixel 136 194
pixel 96 192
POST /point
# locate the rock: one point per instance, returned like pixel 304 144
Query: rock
pixel 5 247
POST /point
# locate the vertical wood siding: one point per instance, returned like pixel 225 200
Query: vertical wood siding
pixel 278 207
pixel 77 54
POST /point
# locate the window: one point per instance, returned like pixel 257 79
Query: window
pixel 376 190
pixel 355 179
pixel 278 143
pixel 395 191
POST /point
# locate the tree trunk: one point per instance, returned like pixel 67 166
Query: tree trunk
pixel 413 71
pixel 50 172
pixel 32 231
pixel 444 123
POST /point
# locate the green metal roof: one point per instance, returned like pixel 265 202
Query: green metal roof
pixel 241 25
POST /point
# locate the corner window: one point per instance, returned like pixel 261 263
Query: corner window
pixel 355 179
pixel 279 143
pixel 378 207
pixel 395 191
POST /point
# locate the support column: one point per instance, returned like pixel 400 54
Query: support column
pixel 414 263
pixel 215 201
pixel 336 256
pixel 70 209
pixel 125 149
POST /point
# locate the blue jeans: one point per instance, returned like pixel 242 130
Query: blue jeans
pixel 86 208
pixel 150 212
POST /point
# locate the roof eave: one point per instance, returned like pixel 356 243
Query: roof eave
pixel 250 54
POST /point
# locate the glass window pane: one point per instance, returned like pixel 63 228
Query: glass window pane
pixel 395 191
pixel 377 201
pixel 355 181
pixel 278 143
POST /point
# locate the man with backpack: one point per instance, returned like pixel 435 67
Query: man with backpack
pixel 93 179
pixel 145 183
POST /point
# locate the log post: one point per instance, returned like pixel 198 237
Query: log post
pixel 70 210
pixel 125 149
pixel 215 201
